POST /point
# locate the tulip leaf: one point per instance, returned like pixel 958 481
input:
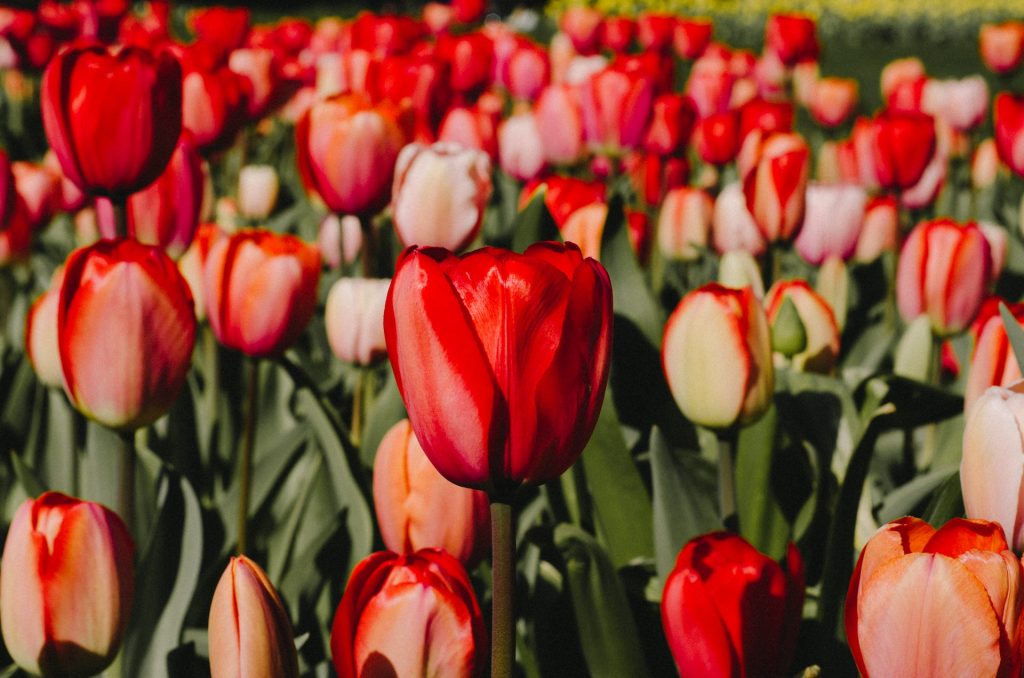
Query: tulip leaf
pixel 607 630
pixel 762 521
pixel 166 581
pixel 30 484
pixel 621 502
pixel 631 295
pixel 904 499
pixel 533 223
pixel 684 499
pixel 947 502
pixel 387 410
pixel 914 403
pixel 1015 333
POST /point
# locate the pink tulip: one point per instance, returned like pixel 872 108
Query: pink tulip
pixel 520 147
pixel 963 104
pixel 616 105
pixel 832 222
pixel 560 124
pixel 41 345
pixel 710 85
pixel 732 225
pixel 354 318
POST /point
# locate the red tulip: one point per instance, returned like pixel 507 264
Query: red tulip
pixel 583 26
pixel 718 138
pixel 766 116
pixel 259 67
pixel 418 82
pixel 249 632
pixel 66 586
pixel 223 28
pixel 516 410
pixel 916 589
pixel 655 31
pixel 943 271
pixel 428 596
pixel 729 610
pixel 385 34
pixel 616 105
pixel 691 37
pixel 468 11
pixel 672 121
pixel 564 195
pixel 776 186
pixel 260 290
pixel 16 239
pixel 112 119
pixel 126 328
pixel 418 508
pixel 791 37
pixel 469 58
pixel 346 152
pixel 617 33
pixel 39 189
pixel 710 84
pixel 8 193
pixel 1008 120
pixel 214 101
pixel 904 144
pixel 1002 46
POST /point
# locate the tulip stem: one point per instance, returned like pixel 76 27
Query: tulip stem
pixel 245 459
pixel 120 209
pixel 727 480
pixel 356 427
pixel 126 481
pixel 503 581
pixel 369 244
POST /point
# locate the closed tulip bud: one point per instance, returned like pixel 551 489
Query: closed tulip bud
pixel 766 116
pixel 585 228
pixel 775 189
pixel 563 196
pixel 560 123
pixel 249 632
pixel 672 121
pixel 1002 46
pixel 529 72
pixel 738 269
pixel 257 191
pixel 880 229
pixel 998 244
pixel 832 222
pixel 257 65
pixel 354 317
pixel 339 239
pixel 616 104
pixel 732 225
pixel 469 57
pixel 66 586
pixel 583 26
pixel 710 85
pixel 538 434
pixel 1008 120
pixel 429 596
pixel 903 145
pixel 963 104
pixel 439 195
pixel 617 33
pixel 729 610
pixel 129 375
pixel 655 31
pixel 520 147
pixel 346 153
pixel 473 126
pixel 38 188
pixel 791 37
pixel 684 222
pixel 112 119
pixel 915 588
pixel 41 345
pixel 691 37
pixel 718 138
pixel 213 102
pixel 899 72
pixel 418 508
pixel 943 271
pixel 985 164
pixel 833 284
pixel 820 348
pixel 717 357
pixel 832 100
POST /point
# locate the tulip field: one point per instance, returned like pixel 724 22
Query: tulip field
pixel 596 338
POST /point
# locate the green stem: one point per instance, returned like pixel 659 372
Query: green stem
pixel 245 459
pixel 503 582
pixel 369 244
pixel 727 479
pixel 120 209
pixel 356 428
pixel 126 480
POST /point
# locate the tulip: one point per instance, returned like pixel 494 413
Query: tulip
pixel 775 188
pixel 8 193
pixel 222 27
pixel 354 317
pixel 985 164
pixel 738 269
pixel 38 188
pixel 213 102
pixel 904 144
pixel 833 284
pixel 926 190
pixel 528 72
pixel 346 152
pixel 672 120
pixel 439 194
pixel 993 362
pixel 729 610
pixel 998 243
pixel 732 225
pixel 583 26
pixel 492 440
pixel 472 127
pixel 191 264
pixel 469 58
pixel 832 100
pixel 684 222
pixel 616 104
pixel 718 138
pixel 257 191
pixel 915 588
pixel 963 104
pixel 563 196
pixel 386 34
pixel 899 72
pixel 339 240
pixel 1008 120
pixel 943 271
pixel 821 348
pixel 257 66
pixel 417 508
pixel 832 222
pixel 717 357
pixel 66 586
pixel 766 116
pixel 560 124
pixel 41 345
pixel 520 147
pixel 880 229
pixel 1002 46
pixel 130 373
pixel 617 33
pixel 250 635
pixel 710 85
pixel 791 37
pixel 691 37
pixel 655 31
pixel 585 228
pixel 429 596
pixel 113 120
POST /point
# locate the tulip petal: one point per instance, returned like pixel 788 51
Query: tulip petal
pixel 959 535
pixel 934 607
pixel 1000 574
pixel 695 631
pixel 23 608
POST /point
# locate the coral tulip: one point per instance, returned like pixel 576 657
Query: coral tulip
pixel 66 586
pixel 729 610
pixel 522 382
pixel 112 119
pixel 260 290
pixel 250 635
pixel 832 100
pixel 915 589
pixel 992 361
pixel 429 596
pixel 717 357
pixel 1002 46
pixel 125 327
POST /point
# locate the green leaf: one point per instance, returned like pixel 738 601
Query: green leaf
pixel 620 498
pixel 947 502
pixel 30 484
pixel 533 223
pixel 607 630
pixel 762 521
pixel 1015 333
pixel 387 410
pixel 914 403
pixel 684 486
pixel 166 580
pixel 631 295
pixel 902 501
